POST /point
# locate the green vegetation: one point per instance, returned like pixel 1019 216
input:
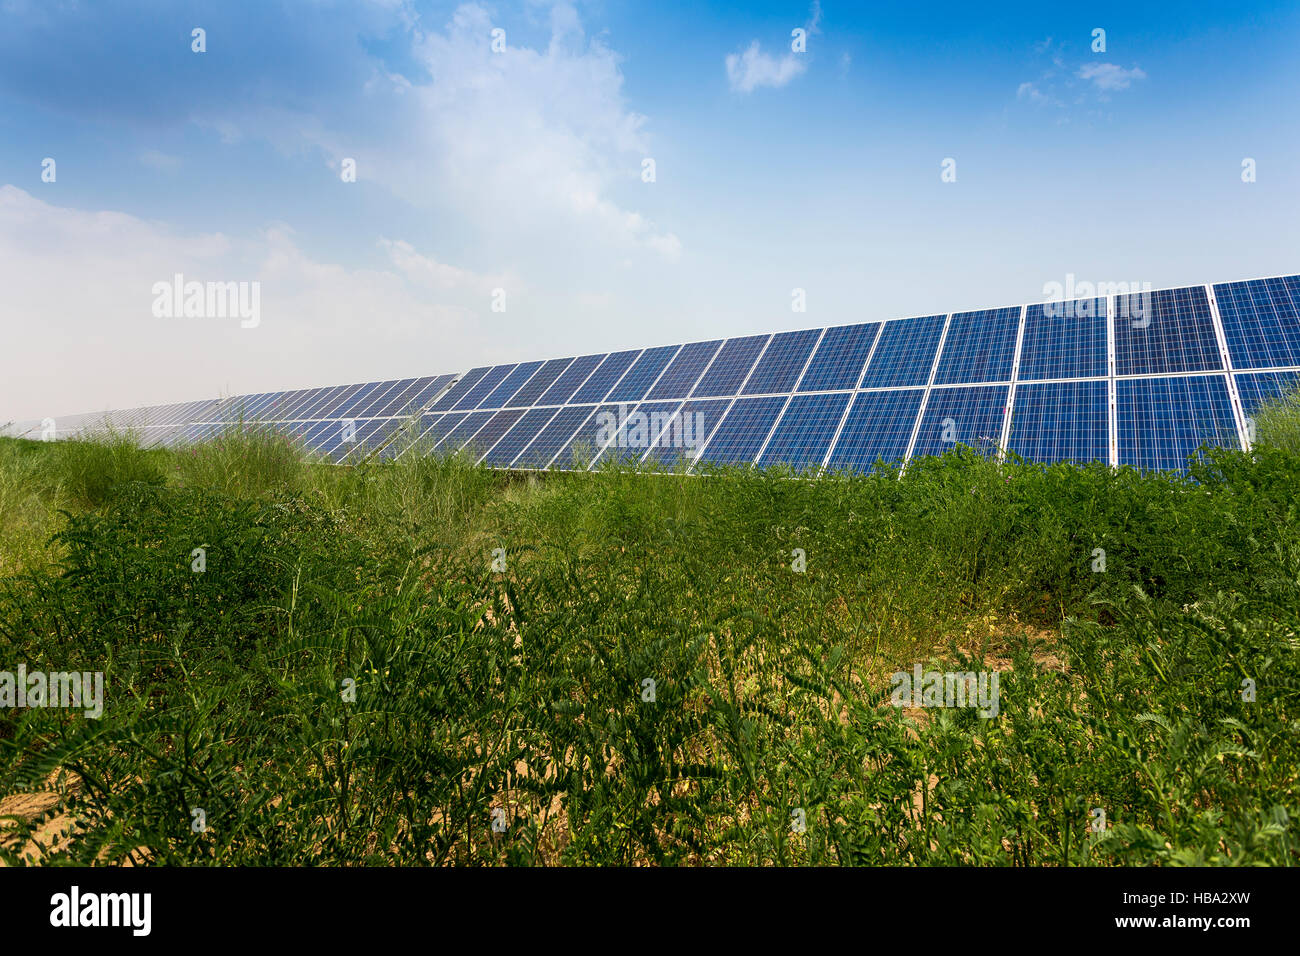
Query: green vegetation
pixel 375 664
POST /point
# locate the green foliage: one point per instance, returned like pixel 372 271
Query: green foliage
pixel 651 679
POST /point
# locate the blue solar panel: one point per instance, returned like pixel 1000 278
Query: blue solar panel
pixel 878 426
pixel 346 408
pixel 1064 340
pixel 590 438
pixel 743 430
pixel 970 415
pixel 637 431
pixel 517 438
pixel 327 410
pixel 487 436
pixel 1061 421
pixel 428 390
pixel 603 379
pixel 840 358
pixel 905 353
pixel 1165 331
pixel 1255 388
pixel 680 377
pixel 382 398
pixel 783 362
pixel 680 442
pixel 503 394
pixel 1261 322
pixel 805 430
pixel 455 439
pixel 558 433
pixel 569 382
pixel 540 382
pixel 1160 422
pixel 730 368
pixel 457 391
pixel 980 347
pixel 473 398
pixel 633 386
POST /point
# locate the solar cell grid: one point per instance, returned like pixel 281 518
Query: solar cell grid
pixel 980 347
pixel 502 395
pixel 557 433
pixel 632 387
pixel 878 426
pixel 840 357
pixel 804 433
pixel 1170 330
pixel 518 437
pixel 1061 421
pixel 905 353
pixel 967 415
pixel 782 363
pixel 1261 322
pixel 1064 340
pixel 637 429
pixel 494 376
pixel 685 370
pixel 682 438
pixel 742 431
pixel 1160 422
pixel 730 367
pixel 540 382
pixel 571 380
pixel 458 391
pixel 603 379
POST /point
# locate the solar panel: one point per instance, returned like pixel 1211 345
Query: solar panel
pixel 632 387
pixel 1261 322
pixel 517 438
pixel 595 388
pixel 557 433
pixel 878 427
pixel 979 347
pixel 905 353
pixel 804 434
pixel 782 362
pixel 967 415
pixel 1064 340
pixel 731 367
pixel 1160 422
pixel 681 439
pixel 459 390
pixel 840 358
pixel 1061 421
pixel 571 380
pixel 1170 330
pixel 540 382
pixel 680 377
pixel 742 431
pixel 1136 378
pixel 637 431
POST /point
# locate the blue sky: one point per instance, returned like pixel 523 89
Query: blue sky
pixel 521 170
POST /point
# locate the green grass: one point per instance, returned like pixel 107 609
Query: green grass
pixel 378 662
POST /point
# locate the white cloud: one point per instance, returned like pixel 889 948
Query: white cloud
pixel 1109 77
pixel 748 71
pixel 82 283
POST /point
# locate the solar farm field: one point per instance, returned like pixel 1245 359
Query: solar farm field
pixel 425 660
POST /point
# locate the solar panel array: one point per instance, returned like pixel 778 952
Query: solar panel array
pixel 1133 378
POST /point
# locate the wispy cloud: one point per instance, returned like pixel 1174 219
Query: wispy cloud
pixel 748 71
pixel 1110 77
